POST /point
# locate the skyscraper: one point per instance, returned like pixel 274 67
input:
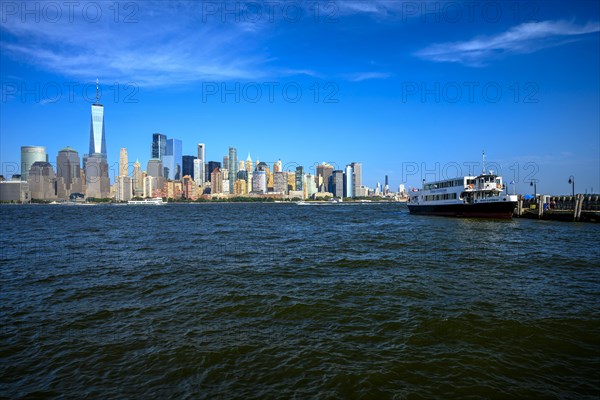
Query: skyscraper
pixel 233 168
pixel 211 167
pixel 357 171
pixel 198 172
pixel 249 163
pixel 97 133
pixel 250 172
pixel 324 171
pixel 337 183
pixel 124 190
pixel 280 184
pixel 42 181
pixel 259 181
pixel 349 181
pixel 155 168
pixel 123 162
pixel 202 157
pixel 97 183
pixel 173 159
pixel 68 173
pixel 29 155
pixel 188 166
pixel 159 146
pixel 138 181
pixel 225 162
pixel 216 181
pixel 299 178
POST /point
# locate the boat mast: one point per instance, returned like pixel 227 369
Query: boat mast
pixel 483 162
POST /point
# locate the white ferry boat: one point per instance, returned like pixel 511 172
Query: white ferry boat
pixel 157 201
pixel 470 196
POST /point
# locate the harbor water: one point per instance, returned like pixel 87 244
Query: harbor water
pixel 286 301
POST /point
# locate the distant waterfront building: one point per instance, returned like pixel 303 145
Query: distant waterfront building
pixel 188 166
pixel 30 155
pixel 386 188
pixel 97 183
pixel 201 178
pixel 249 163
pixel 97 129
pixel 189 187
pixel 259 182
pixel 310 186
pixel 243 174
pixel 348 181
pixel 151 185
pixel 211 167
pixel 280 184
pixel 240 186
pixel 216 180
pixel 357 178
pixel 299 178
pixel 155 168
pixel 68 173
pixel 15 191
pixel 173 159
pixel 324 172
pixel 233 168
pixel 241 165
pixel 159 146
pixel 337 183
pixel 250 173
pixel 138 180
pixel 225 162
pixel 361 191
pixel 124 188
pixel 291 179
pixel 225 186
pixel 42 181
pixel 278 166
pixel 198 172
pixel 123 162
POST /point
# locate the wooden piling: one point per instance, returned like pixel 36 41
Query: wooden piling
pixel 578 207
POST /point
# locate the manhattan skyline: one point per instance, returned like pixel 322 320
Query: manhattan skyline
pixel 384 83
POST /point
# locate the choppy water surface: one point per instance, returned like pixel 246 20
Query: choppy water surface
pixel 287 301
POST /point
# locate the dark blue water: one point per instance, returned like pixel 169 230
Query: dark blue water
pixel 287 301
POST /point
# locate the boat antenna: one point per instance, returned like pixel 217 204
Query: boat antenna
pixel 483 161
pixel 96 90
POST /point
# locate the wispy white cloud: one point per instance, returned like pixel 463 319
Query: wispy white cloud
pixel 524 38
pixel 380 9
pixel 363 76
pixel 168 43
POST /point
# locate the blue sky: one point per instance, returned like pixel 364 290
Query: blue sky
pixel 410 89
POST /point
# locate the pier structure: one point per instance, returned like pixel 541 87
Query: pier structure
pixel 580 207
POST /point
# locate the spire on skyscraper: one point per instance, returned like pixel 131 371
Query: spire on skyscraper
pixel 97 96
